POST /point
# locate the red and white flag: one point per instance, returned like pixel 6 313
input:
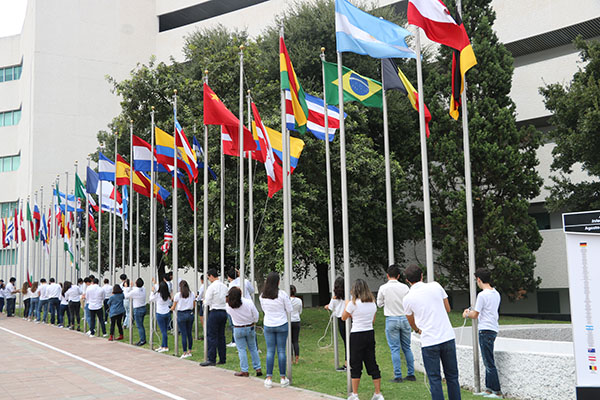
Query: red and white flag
pixel 274 170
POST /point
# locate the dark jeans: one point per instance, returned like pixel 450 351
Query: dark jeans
pixel 163 324
pixel 446 353
pixel 185 320
pixel 216 335
pixel 100 314
pixel 138 315
pixel 10 307
pixel 74 307
pixel 1 303
pixel 486 344
pixel 61 314
pixel 342 329
pixel 295 338
pixel 27 303
pixel 54 305
pixel 106 309
pixel 43 307
pixel 116 320
pixel 362 350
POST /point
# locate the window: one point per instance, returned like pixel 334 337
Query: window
pixel 7 209
pixel 548 302
pixel 10 163
pixel 8 257
pixel 542 220
pixel 9 118
pixel 11 73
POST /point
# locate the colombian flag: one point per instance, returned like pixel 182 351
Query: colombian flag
pixel 289 81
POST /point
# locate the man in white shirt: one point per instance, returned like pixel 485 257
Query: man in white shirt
pixel 107 289
pixel 214 298
pixel 390 296
pixel 11 297
pixel 123 285
pixel 137 296
pixel 427 307
pixel 94 298
pixel 53 292
pixel 486 311
pixel 43 305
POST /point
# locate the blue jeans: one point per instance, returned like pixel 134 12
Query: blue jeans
pixel 397 332
pixel 446 353
pixel 10 307
pixel 61 314
pixel 486 344
pixel 126 320
pixel 185 320
pixel 43 307
pixel 276 338
pixel 88 317
pixel 34 308
pixel 54 305
pixel 230 322
pixel 138 315
pixel 215 329
pixel 163 324
pixel 246 337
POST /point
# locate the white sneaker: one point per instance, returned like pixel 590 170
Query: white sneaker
pixel 285 382
pixel 88 333
pixel 105 335
pixel 377 396
pixel 268 383
pixel 353 396
pixel 492 396
pixel 162 349
pixel 232 344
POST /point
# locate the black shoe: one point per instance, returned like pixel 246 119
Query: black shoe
pixel 341 369
pixel 141 343
pixel 221 362
pixel 396 380
pixel 410 378
pixel 208 364
pixel 259 372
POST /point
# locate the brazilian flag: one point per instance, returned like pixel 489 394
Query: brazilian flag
pixel 356 87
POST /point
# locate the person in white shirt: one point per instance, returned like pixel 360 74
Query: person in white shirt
pixel 94 298
pixel 43 304
pixel 64 306
pixel 233 277
pixel 53 292
pixel 276 305
pixel 295 319
pixel 26 290
pixel 486 312
pixel 34 309
pixel 397 329
pixel 244 315
pixel 138 296
pixel 336 306
pixel 362 310
pixel 214 298
pixel 184 303
pixel 200 300
pixel 124 280
pixel 11 297
pixel 427 307
pixel 2 287
pixel 73 297
pixel 162 298
pixel 107 289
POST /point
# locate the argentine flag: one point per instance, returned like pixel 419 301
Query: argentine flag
pixel 362 33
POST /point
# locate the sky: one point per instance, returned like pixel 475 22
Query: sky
pixel 12 16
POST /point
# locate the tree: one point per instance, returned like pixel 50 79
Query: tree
pixel 576 118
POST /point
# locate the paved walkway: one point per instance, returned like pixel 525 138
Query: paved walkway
pixel 45 362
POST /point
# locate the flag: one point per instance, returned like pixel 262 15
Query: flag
pixel 142 156
pixel 198 150
pixel 124 215
pixel 123 171
pixel 439 26
pixel 163 147
pixel 215 113
pixel 273 169
pixel 160 192
pixel 71 202
pixel 183 185
pixel 296 146
pixel 106 198
pixel 359 32
pixel 43 230
pixel 37 217
pixel 188 156
pixel 16 222
pixel 79 189
pixel 393 78
pixel 167 238
pixel 30 219
pixel 22 230
pixel 91 181
pixel 356 87
pixel 316 116
pixel 106 168
pixel 4 244
pixel 9 234
pixel 67 242
pixel 289 81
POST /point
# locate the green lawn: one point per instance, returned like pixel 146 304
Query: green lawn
pixel 316 370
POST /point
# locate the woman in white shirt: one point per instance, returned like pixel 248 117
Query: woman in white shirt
pixel 362 310
pixel 73 296
pixel 244 315
pixel 162 298
pixel 336 306
pixel 26 299
pixel 64 306
pixel 276 305
pixel 295 318
pixel 34 311
pixel 185 303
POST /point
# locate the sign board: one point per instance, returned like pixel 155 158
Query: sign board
pixel 582 231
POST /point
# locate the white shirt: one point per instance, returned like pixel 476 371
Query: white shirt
pixel 183 303
pixel 27 294
pixel 73 294
pixel 276 309
pixel 336 306
pixel 425 301
pixel 200 293
pixel 296 309
pixel 63 300
pixel 53 291
pixel 390 296
pixel 94 297
pixel 362 315
pixel 249 289
pixel 215 295
pixel 162 306
pixel 34 294
pixel 43 290
pixel 107 290
pixel 10 288
pixel 138 296
pixel 246 314
pixel 487 304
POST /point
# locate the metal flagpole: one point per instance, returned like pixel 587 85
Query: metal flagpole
pixel 131 172
pixel 51 232
pixel 66 221
pixel 114 219
pixel 175 238
pixel 152 247
pixel 205 228
pixel 56 187
pixel 250 206
pixel 100 200
pixel 137 235
pixel 75 246
pixel 345 236
pixel 87 230
pixel 36 271
pixel 22 277
pixel 388 176
pixel 123 221
pixel 241 183
pixel 424 163
pixel 42 258
pixel 330 210
pixel 470 228
pixel 28 264
pixel 195 244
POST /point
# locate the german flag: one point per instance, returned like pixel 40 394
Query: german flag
pixel 289 81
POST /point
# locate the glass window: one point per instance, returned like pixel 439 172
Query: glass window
pixel 16 163
pixel 8 74
pixel 7 162
pixel 1 119
pixel 16 117
pixel 8 118
pixel 18 70
pixel 1 74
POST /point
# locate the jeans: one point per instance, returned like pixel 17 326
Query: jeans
pixel 276 338
pixel 27 303
pixel 246 337
pixel 230 322
pixel 61 314
pixel 446 353
pixel 296 338
pixel 74 307
pixel 116 320
pixel 1 303
pixel 486 344
pixel 34 308
pixel 397 332
pixel 10 307
pixel 185 320
pixel 126 320
pixel 217 319
pixel 43 307
pixel 54 304
pixel 100 314
pixel 163 324
pixel 88 315
pixel 139 314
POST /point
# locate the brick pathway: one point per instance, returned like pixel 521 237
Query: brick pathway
pixel 31 370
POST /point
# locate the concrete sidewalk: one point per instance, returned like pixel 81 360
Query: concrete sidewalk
pixel 45 362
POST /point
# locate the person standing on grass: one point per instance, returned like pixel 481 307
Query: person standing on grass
pixel 64 306
pixel 427 307
pixel 107 288
pixel 11 297
pixel 138 296
pixel 362 309
pixel 162 298
pixel 94 298
pixel 116 311
pixel 73 296
pixel 43 304
pixel 215 298
pixel 397 328
pixel 53 292
pixel 2 299
pixel 295 319
pixel 276 305
pixel 486 312
pixel 184 303
pixel 26 290
pixel 34 306
pixel 336 306
pixel 244 315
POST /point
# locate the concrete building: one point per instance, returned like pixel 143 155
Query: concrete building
pixel 54 97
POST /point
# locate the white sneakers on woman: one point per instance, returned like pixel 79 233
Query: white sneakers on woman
pixel 268 383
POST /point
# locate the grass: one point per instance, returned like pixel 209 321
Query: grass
pixel 316 371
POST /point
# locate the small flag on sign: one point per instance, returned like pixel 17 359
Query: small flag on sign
pixel 591 350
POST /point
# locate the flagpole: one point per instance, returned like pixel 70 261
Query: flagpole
pixel 42 258
pixel 131 192
pixel 29 263
pixel 250 205
pixel 175 229
pixel 52 223
pixel 87 230
pixel 75 247
pixel 21 255
pixel 114 232
pixel 388 175
pixel 33 234
pixel 330 209
pixel 345 236
pixel 242 232
pixel 137 235
pixel 205 228
pixel 110 235
pixel 66 221
pixel 222 208
pixel 195 245
pixel 101 199
pixel 57 230
pixel 152 247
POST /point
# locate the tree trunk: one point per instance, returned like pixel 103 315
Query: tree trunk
pixel 323 283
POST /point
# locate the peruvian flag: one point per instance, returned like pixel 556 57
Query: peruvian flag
pixel 16 227
pixel 274 171
pixel 22 230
